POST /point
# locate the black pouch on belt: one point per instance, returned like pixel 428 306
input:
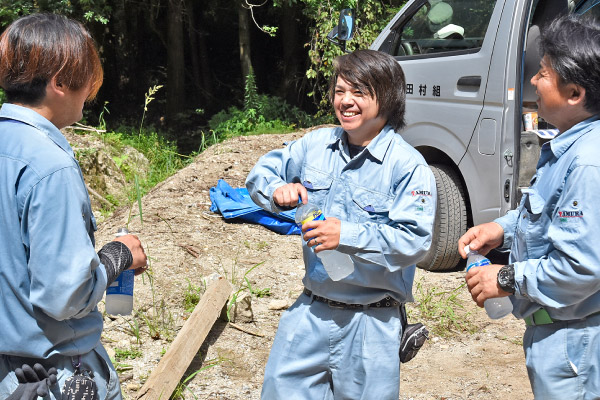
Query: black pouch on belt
pixel 80 386
pixel 413 337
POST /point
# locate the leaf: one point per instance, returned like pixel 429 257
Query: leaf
pixel 139 198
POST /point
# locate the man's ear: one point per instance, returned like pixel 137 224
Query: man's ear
pixel 576 94
pixel 55 87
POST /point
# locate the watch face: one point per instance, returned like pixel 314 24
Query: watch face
pixel 506 279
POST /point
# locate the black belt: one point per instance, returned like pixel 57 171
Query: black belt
pixel 386 302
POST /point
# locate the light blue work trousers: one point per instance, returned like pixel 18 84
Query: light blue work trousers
pixel 563 359
pixel 322 352
pixel 97 360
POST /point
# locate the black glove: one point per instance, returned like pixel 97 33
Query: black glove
pixel 33 382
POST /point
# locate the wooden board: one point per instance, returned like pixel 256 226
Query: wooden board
pixel 164 379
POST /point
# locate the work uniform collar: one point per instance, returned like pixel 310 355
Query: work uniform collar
pixel 561 143
pixel 32 118
pixel 377 147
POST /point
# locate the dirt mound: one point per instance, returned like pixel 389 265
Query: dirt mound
pixel 187 244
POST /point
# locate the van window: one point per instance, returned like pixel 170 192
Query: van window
pixel 444 26
pixel 590 7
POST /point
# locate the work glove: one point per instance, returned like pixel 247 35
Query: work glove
pixel 33 382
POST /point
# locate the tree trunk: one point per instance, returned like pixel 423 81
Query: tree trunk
pixel 189 11
pixel 291 58
pixel 175 60
pixel 244 36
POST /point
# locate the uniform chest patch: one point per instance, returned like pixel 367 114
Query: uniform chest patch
pixel 566 215
pixel 420 193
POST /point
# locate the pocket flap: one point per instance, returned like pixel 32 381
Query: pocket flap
pixel 371 201
pixel 534 202
pixel 316 180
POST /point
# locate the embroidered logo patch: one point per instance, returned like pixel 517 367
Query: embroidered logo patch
pixel 421 193
pixel 565 215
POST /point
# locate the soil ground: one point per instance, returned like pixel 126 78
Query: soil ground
pixel 187 244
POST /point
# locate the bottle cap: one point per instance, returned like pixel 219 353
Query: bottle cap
pixel 467 249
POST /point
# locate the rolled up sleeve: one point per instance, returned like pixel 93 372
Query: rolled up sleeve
pixel 273 170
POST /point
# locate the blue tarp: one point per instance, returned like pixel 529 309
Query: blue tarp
pixel 236 203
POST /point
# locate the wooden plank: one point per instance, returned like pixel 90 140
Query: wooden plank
pixel 164 379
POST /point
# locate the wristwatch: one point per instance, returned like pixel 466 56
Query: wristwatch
pixel 506 278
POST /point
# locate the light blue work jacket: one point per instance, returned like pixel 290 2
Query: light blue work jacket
pixel 50 276
pixel 384 197
pixel 554 234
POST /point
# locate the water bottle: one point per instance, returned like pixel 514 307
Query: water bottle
pixel 497 307
pixel 119 295
pixel 337 265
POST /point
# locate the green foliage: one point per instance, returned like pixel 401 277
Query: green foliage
pixel 261 114
pixel 161 154
pixel 127 354
pixel 251 92
pixel 192 295
pixel 242 285
pixel 443 312
pixel 182 386
pixel 371 17
pixel 148 97
pixel 85 10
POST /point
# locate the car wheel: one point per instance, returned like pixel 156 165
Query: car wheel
pixel 450 221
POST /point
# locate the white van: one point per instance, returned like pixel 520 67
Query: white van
pixel 470 107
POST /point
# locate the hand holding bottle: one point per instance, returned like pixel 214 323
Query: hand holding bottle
pixel 481 238
pixel 119 295
pixel 482 281
pixel 140 261
pixel 289 195
pixel 324 236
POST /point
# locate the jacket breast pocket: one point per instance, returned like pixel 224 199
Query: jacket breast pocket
pixel 533 203
pixel 531 223
pixel 372 206
pixel 317 183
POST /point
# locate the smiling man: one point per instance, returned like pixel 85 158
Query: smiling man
pixel 341 338
pixel 554 272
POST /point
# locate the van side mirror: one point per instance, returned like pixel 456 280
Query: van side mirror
pixel 344 30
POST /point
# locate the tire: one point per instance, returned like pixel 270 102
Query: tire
pixel 450 221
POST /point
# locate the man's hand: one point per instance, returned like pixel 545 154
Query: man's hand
pixel 481 238
pixel 322 235
pixel 140 262
pixel 483 283
pixel 288 195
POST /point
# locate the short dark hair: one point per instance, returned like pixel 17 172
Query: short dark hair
pixel 572 45
pixel 37 47
pixel 379 75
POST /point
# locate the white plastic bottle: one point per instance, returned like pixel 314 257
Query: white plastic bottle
pixel 119 295
pixel 337 265
pixel 497 307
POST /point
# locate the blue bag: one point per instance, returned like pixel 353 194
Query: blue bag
pixel 237 204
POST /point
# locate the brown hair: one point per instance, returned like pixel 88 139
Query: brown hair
pixel 377 74
pixel 37 47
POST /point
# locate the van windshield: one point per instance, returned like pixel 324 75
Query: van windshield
pixel 442 26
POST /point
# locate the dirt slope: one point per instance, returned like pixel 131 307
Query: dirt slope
pixel 187 244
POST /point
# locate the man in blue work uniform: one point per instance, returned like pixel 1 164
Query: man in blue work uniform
pixel 554 272
pixel 51 278
pixel 341 338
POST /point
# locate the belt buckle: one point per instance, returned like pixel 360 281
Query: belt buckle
pixel 336 304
